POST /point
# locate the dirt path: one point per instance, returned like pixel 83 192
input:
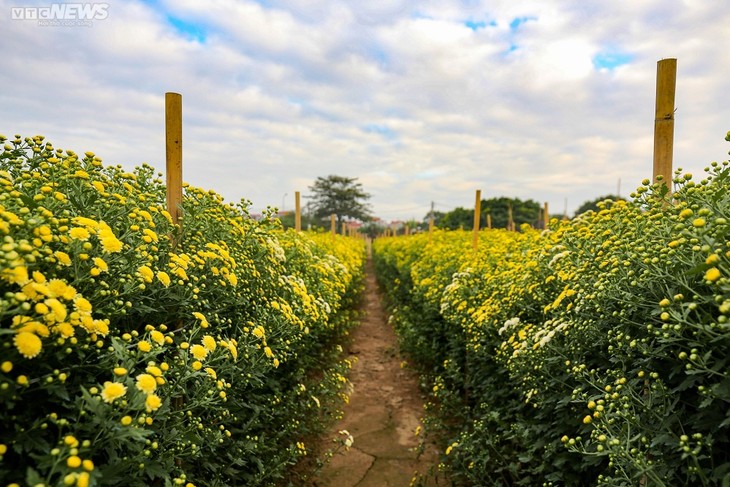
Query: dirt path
pixel 384 410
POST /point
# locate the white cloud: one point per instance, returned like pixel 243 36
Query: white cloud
pixel 402 94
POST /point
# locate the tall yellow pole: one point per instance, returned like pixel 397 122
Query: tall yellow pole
pixel 666 81
pixel 297 212
pixel 477 215
pixel 173 153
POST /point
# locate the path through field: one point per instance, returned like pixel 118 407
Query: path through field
pixel 383 412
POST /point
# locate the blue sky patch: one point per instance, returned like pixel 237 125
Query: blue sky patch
pixel 380 129
pixel 611 59
pixel 518 21
pixel 476 25
pixel 188 30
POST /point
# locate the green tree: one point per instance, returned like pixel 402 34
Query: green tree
pixel 371 229
pixel 593 204
pixel 457 218
pixel 341 196
pixel 522 212
pixel 288 221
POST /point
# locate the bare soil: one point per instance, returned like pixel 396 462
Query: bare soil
pixel 384 411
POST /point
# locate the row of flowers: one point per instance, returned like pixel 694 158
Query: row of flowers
pixel 138 352
pixel 592 353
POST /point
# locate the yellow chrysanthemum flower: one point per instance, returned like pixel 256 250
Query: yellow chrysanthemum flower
pixel 64 329
pixel 144 346
pixel 73 461
pixel 233 349
pixel 79 233
pixel 101 327
pixel 111 244
pixel 86 222
pixel 164 278
pixel 146 273
pixel 57 311
pixel 28 344
pixel 199 351
pixel 82 305
pixel 154 370
pixel 112 391
pixel 712 274
pixel 17 274
pixel 63 258
pixel 157 337
pixel 203 320
pixel 101 264
pixel 150 234
pixel 59 289
pixel 83 479
pixel 152 403
pixel 209 343
pixel 146 383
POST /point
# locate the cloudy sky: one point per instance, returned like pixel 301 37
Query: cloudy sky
pixel 422 101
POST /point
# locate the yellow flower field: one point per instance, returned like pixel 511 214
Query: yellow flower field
pixel 137 352
pixel 592 353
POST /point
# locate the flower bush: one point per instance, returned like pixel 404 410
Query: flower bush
pixel 593 353
pixel 138 352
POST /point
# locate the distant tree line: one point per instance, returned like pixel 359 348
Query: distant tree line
pixel 345 198
pixel 527 211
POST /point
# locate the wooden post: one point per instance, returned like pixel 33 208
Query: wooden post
pixel 477 215
pixel 489 220
pixel 546 216
pixel 297 212
pixel 510 223
pixel 344 229
pixel 173 153
pixel 333 227
pixel 666 80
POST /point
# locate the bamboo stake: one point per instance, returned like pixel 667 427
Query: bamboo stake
pixel 173 153
pixel 477 214
pixel 664 121
pixel 510 223
pixel 333 227
pixel 489 220
pixel 297 212
pixel 546 216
